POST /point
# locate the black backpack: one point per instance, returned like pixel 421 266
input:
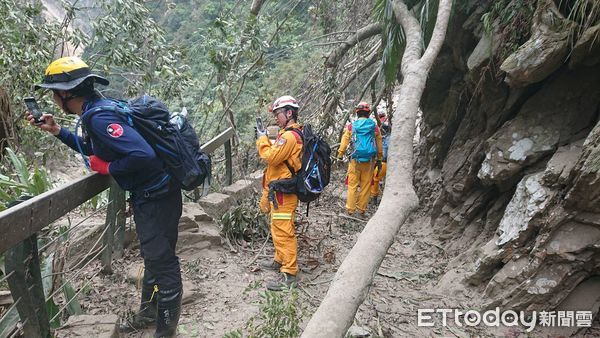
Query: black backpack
pixel 177 146
pixel 312 178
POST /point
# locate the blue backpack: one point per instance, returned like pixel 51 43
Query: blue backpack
pixel 363 139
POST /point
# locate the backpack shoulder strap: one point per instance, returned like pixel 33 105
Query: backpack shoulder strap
pixel 287 164
pixel 118 107
pixel 298 132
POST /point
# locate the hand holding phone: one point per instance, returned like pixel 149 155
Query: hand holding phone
pixel 260 128
pixel 33 109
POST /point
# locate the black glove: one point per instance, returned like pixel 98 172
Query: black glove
pixel 378 166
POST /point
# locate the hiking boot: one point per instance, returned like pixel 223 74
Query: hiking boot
pixel 270 265
pixel 146 316
pixel 169 309
pixel 287 281
pixel 374 200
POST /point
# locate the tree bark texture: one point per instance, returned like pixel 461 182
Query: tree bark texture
pixel 7 128
pixel 255 7
pixel 351 283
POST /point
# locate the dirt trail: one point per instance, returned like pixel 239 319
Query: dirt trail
pixel 226 291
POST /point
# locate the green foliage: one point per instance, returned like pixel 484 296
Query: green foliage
pixel 427 17
pixel 243 221
pixel 98 201
pixel 129 45
pixel 52 310
pixel 74 308
pixel 233 334
pixel 393 38
pixel 239 60
pixel 46 271
pixel 51 307
pixel 253 286
pixel 192 329
pixel 119 37
pixel 9 321
pixel 28 42
pixel 20 179
pixel 280 314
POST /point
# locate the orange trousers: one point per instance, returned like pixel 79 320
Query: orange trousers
pixel 359 175
pixel 377 177
pixel 282 229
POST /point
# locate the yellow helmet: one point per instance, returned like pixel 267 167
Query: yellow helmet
pixel 67 73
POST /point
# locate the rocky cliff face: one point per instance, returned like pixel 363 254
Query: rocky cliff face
pixel 509 161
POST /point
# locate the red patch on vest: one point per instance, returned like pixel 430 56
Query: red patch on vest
pixel 114 130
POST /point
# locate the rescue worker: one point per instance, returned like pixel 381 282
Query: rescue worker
pixel 283 156
pixel 379 175
pixel 360 169
pixel 114 148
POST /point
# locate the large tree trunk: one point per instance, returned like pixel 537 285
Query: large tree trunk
pixel 256 6
pixel 352 280
pixel 7 127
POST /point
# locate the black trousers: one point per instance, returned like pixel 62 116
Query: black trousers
pixel 156 222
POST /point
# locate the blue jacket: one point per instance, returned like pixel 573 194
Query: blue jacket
pixel 133 162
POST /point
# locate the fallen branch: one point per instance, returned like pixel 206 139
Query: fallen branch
pixel 362 34
pixel 259 251
pixel 353 218
pixel 319 283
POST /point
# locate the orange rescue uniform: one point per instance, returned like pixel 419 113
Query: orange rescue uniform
pixel 378 177
pixel 287 147
pixel 359 174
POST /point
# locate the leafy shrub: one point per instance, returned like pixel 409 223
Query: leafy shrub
pixel 243 221
pixel 280 315
pixel 20 179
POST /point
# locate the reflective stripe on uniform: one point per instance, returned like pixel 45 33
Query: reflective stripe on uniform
pixel 280 215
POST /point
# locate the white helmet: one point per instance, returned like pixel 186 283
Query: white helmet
pixel 285 101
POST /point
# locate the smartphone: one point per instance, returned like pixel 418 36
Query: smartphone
pixel 259 124
pixel 33 109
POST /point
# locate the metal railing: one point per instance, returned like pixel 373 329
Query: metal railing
pixel 20 224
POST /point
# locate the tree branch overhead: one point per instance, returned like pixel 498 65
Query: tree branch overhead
pixel 362 34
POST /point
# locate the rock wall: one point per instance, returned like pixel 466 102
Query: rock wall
pixel 509 160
